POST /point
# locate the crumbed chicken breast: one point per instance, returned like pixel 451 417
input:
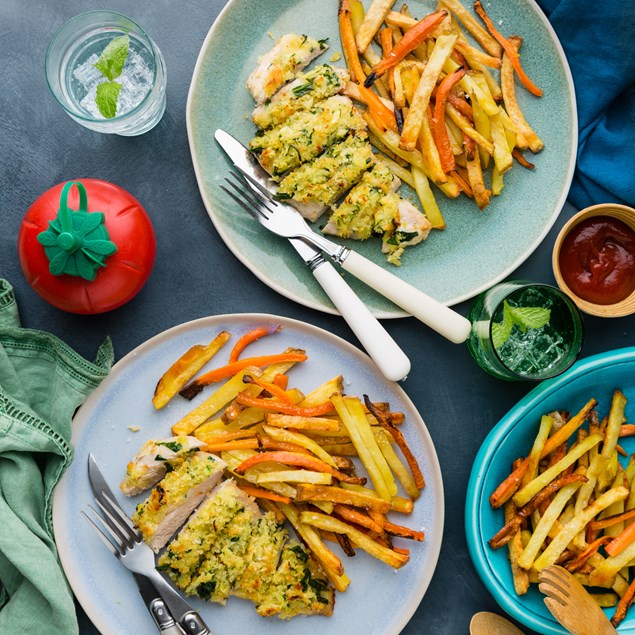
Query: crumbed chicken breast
pixel 355 217
pixel 174 498
pixel 305 135
pixel 314 186
pixel 267 540
pixel 184 555
pixel 409 227
pixel 301 94
pixel 230 548
pixel 290 54
pixel 227 560
pixel 154 459
pixel 298 587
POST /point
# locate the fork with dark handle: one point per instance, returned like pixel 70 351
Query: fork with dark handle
pixel 127 545
pixel 286 221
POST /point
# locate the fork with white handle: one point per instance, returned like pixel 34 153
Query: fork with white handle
pixel 284 220
pixel 126 544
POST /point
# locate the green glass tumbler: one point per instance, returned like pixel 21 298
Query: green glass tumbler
pixel 525 331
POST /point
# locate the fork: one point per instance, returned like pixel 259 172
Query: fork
pixel 125 542
pixel 571 605
pixel 284 220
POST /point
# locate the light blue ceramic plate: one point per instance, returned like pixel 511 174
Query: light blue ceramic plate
pixel 512 437
pixel 477 249
pixel 379 601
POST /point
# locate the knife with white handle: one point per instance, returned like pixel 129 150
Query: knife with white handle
pixel 380 346
pixel 286 221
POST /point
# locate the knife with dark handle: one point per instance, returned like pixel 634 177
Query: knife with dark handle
pixel 157 607
pixel 380 346
pixel 188 619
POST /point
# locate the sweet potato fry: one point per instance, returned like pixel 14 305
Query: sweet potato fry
pixel 298 460
pixel 252 336
pixel 218 374
pixel 413 38
pixel 401 442
pixel 509 49
pixel 509 486
pixel 511 527
pixel 342 496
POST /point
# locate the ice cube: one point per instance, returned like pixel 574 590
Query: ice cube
pixel 86 74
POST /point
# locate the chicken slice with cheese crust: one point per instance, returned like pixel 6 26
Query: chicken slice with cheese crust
pixel 290 54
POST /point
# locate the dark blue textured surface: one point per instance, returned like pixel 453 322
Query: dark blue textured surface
pixel 196 275
pixel 597 39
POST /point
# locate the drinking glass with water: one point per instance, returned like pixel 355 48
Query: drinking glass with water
pixel 107 73
pixel 525 331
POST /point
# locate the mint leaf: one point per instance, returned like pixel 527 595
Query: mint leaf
pixel 533 317
pixel 106 98
pixel 522 317
pixel 113 57
pixel 502 330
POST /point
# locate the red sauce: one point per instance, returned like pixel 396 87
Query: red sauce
pixel 597 260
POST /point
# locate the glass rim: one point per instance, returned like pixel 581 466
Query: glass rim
pixel 575 311
pixel 117 118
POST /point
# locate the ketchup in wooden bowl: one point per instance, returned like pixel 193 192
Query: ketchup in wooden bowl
pixel 594 260
pixel 597 260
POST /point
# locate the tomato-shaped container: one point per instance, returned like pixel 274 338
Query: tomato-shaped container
pixel 86 246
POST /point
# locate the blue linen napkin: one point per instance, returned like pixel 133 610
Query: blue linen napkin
pixel 599 41
pixel 42 382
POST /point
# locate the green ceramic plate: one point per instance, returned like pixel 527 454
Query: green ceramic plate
pixel 477 249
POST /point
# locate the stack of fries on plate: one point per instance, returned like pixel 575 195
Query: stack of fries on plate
pixel 571 502
pixel 293 452
pixel 439 114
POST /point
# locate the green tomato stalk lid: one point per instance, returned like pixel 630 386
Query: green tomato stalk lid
pixel 76 242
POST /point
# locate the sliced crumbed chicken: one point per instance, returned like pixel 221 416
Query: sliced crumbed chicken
pixel 314 186
pixel 267 540
pixel 355 217
pixel 227 561
pixel 305 135
pixel 406 227
pixel 174 498
pixel 298 587
pixel 301 94
pixel 290 54
pixel 151 463
pixel 230 548
pixel 197 538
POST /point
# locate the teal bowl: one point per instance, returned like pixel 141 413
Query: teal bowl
pixel 596 376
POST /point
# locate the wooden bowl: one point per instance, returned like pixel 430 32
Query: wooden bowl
pixel 620 212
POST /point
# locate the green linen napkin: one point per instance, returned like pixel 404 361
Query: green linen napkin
pixel 42 382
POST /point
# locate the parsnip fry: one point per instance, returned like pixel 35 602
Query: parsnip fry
pixel 471 24
pixel 302 423
pixel 418 109
pixel 185 368
pixel 547 520
pixel 426 198
pixel 579 521
pixel 525 494
pixel 354 420
pixel 294 476
pixel 214 402
pixel 360 539
pixel 373 19
pixel 511 103
pixel 400 470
